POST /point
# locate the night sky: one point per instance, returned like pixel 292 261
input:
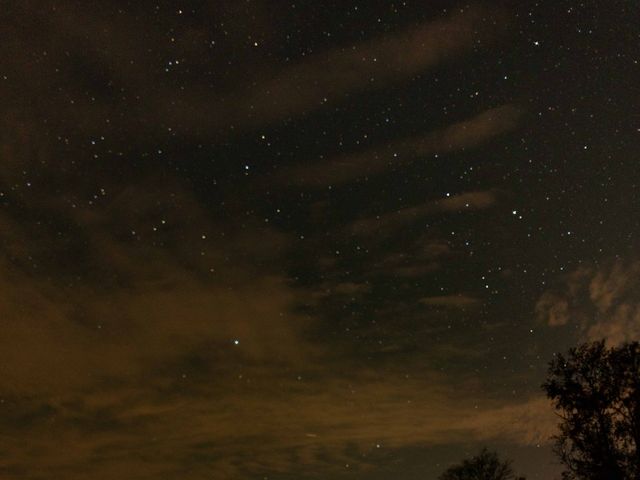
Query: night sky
pixel 317 240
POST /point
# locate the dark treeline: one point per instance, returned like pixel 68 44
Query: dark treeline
pixel 596 394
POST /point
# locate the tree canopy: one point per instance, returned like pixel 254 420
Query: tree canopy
pixel 596 393
pixel 484 466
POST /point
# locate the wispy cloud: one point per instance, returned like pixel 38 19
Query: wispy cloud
pixel 459 301
pixel 89 39
pixel 458 136
pixel 467 201
pixel 424 257
pixel 329 77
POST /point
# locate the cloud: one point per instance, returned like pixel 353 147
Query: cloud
pixel 90 66
pixel 459 301
pixel 530 423
pixel 388 222
pixel 131 361
pixel 553 309
pixel 601 300
pixel 330 76
pixel 148 333
pixel 104 356
pixel 140 376
pixel 242 424
pixel 341 290
pixel 458 136
pixel 63 335
pixel 424 256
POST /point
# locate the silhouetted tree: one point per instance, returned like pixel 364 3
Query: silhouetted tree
pixel 484 466
pixel 596 392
